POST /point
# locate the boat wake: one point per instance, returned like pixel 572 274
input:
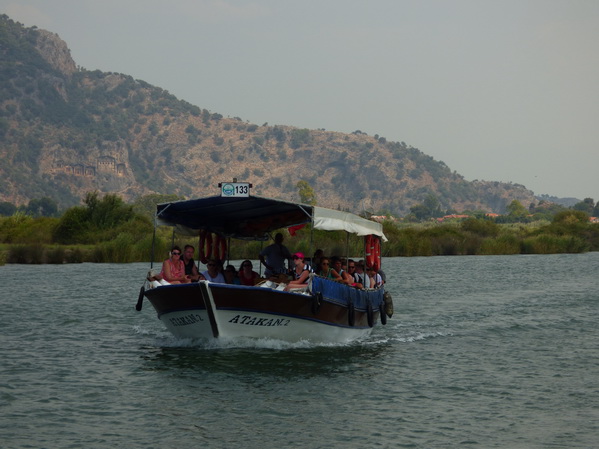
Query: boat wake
pixel 165 339
pixel 398 334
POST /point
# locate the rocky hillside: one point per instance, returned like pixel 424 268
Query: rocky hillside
pixel 65 130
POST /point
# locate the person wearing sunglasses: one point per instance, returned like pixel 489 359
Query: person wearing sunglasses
pixel 173 268
pixel 326 271
pixel 213 272
pixel 300 273
pixel 247 275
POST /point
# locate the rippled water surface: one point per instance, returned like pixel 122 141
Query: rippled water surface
pixel 482 352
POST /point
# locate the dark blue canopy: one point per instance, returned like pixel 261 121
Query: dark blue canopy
pixel 246 217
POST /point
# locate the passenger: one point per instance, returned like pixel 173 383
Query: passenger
pixel 191 270
pixel 338 266
pixel 213 273
pixel 315 262
pixel 273 257
pixel 351 267
pixel 359 276
pixel 173 269
pixel 375 279
pixel 351 270
pixel 247 275
pixel 231 276
pixel 326 271
pixel 300 273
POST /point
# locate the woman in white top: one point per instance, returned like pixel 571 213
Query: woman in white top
pixel 300 272
pixel 375 279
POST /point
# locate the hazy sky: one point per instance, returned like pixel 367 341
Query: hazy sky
pixel 500 90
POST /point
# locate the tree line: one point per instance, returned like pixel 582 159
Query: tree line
pixel 430 208
pixel 106 229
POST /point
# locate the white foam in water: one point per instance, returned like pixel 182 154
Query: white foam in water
pixel 422 336
pixel 167 340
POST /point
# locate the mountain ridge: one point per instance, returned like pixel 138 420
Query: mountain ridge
pixel 65 130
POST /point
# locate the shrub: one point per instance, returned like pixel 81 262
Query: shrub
pixel 553 244
pixel 72 226
pixel 505 244
pixel 484 228
pixel 56 255
pixel 26 254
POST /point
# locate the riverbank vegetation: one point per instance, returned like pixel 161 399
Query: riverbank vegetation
pixel 108 230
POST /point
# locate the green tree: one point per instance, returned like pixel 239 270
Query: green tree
pixel 587 205
pixel 299 137
pixel 420 211
pixel 516 211
pixel 43 207
pixel 306 193
pixel 7 209
pixel 73 226
pixel 432 204
pixel 107 212
pixel 546 210
pixel 146 205
pixel 100 219
pixel 571 217
pixel 430 208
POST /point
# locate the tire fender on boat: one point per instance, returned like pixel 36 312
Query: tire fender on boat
pixel 351 314
pixel 369 313
pixel 388 304
pixel 205 246
pixel 382 313
pixel 316 302
pixel 140 299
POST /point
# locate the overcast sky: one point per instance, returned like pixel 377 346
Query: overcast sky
pixel 498 90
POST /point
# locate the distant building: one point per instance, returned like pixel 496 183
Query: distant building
pixel 106 164
pixel 78 169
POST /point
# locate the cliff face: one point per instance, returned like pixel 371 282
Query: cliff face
pixel 55 52
pixel 65 131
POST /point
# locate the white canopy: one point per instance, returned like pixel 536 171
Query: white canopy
pixel 335 220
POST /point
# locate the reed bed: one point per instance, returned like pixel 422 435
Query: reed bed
pixel 471 237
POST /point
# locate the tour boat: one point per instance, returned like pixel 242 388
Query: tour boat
pixel 325 311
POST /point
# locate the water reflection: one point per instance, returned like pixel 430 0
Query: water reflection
pixel 287 363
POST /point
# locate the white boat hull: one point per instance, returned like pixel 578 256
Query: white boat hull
pixel 206 310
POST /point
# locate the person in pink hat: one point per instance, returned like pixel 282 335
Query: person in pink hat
pixel 300 272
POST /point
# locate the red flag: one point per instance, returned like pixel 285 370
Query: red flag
pixel 293 229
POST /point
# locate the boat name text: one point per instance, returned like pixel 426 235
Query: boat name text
pixel 186 320
pixel 255 321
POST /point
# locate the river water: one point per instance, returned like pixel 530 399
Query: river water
pixel 489 352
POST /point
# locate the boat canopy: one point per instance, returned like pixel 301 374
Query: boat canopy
pixel 253 217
